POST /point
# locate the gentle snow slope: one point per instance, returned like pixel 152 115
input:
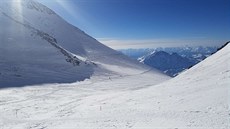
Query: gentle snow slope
pixel 196 99
pixel 37 46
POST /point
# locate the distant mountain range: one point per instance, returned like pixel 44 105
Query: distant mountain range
pixel 171 60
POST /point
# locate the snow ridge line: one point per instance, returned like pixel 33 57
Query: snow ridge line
pixel 31 4
pixel 70 58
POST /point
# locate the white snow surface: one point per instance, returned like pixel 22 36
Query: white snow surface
pixel 196 99
pixel 120 93
pixel 37 47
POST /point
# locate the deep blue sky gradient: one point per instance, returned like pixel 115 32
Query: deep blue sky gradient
pixel 148 19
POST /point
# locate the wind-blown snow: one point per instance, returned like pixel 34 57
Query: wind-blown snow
pixel 197 98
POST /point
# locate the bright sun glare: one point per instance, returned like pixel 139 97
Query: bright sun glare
pixel 17 5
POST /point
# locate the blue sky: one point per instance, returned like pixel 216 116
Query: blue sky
pixel 148 23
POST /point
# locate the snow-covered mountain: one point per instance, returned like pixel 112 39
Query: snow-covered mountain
pixel 171 60
pixel 37 46
pixel 195 53
pixel 171 64
pixel 197 98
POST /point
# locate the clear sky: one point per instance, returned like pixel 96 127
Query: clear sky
pixel 148 23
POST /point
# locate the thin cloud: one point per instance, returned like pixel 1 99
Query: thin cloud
pixel 153 43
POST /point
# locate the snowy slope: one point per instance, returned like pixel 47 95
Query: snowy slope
pixel 196 99
pixel 38 46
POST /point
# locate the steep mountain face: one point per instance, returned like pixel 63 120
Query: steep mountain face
pixel 38 46
pixel 170 64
